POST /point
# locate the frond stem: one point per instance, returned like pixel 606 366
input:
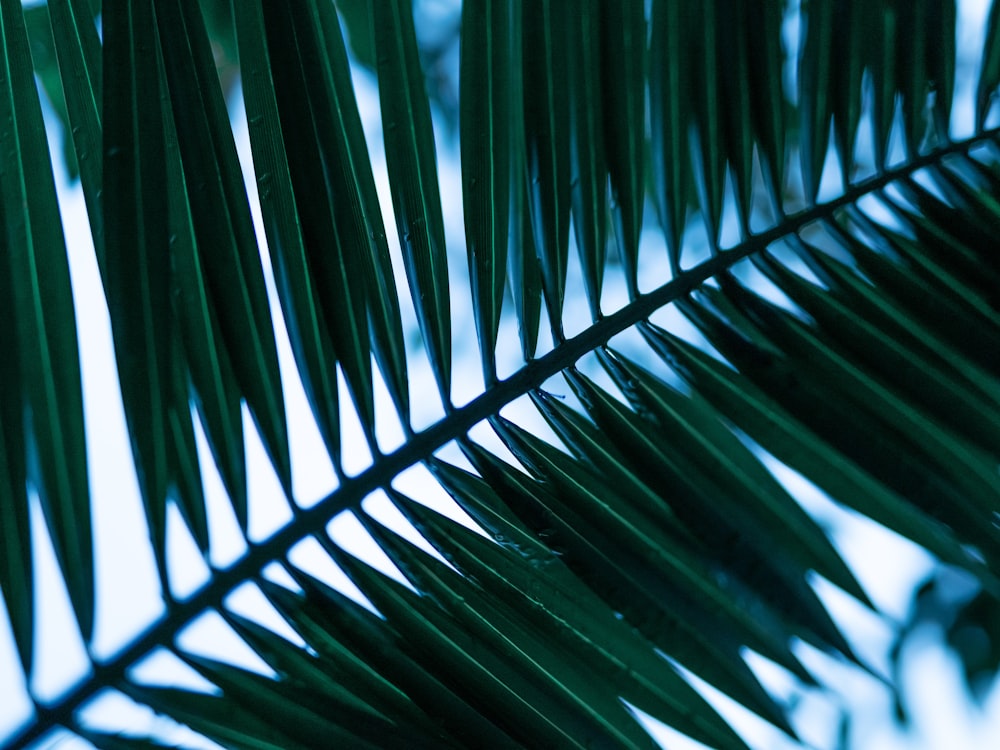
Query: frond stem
pixel 423 444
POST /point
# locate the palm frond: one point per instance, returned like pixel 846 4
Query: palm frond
pixel 849 331
pixel 43 406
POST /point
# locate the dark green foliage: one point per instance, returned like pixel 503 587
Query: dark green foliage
pixel 854 339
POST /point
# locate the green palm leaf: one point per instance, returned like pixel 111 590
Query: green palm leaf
pixel 622 529
pixel 43 400
pixel 410 154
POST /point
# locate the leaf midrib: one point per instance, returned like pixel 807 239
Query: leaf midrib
pixel 423 444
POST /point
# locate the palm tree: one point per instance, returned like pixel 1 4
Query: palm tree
pixel 827 299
